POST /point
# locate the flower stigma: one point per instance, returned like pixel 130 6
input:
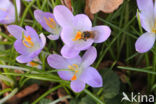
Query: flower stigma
pixel 50 22
pixel 77 36
pixel 74 68
pixel 27 42
pixel 33 64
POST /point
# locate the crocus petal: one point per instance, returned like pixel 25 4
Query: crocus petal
pixel 92 77
pixel 146 6
pixel 82 22
pixel 77 85
pixel 24 59
pixel 43 40
pixel 76 60
pixel 89 57
pixel 69 52
pixel 57 61
pixel 4 4
pixel 102 33
pixel 18 4
pixel 41 17
pixel 65 75
pixel 63 16
pixel 21 48
pixel 2 14
pixel 16 31
pixel 145 42
pixel 53 37
pixel 34 36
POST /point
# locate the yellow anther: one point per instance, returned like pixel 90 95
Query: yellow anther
pixel 77 36
pixel 76 66
pixel 50 22
pixel 27 42
pixel 33 64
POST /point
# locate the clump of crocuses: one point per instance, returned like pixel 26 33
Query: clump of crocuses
pixel 147 16
pixel 80 72
pixel 28 43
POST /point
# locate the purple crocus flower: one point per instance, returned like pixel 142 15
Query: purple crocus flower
pixel 28 43
pixel 148 21
pixel 7 11
pixel 80 72
pixel 49 23
pixel 77 31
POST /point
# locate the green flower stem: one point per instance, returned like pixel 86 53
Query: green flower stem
pixel 94 97
pixel 46 93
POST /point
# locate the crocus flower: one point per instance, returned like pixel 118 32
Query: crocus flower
pixel 77 31
pixel 148 21
pixel 49 23
pixel 28 43
pixel 7 11
pixel 35 63
pixel 80 72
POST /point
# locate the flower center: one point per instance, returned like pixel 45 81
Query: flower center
pixel 74 68
pixel 50 22
pixel 77 36
pixel 27 42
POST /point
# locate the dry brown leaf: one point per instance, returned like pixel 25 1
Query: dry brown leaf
pixel 67 3
pixel 107 6
pixel 87 10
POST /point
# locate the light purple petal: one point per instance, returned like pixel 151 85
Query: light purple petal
pixel 77 85
pixel 4 4
pixel 21 48
pixel 89 57
pixel 76 60
pixel 57 61
pixel 92 77
pixel 145 42
pixel 65 75
pixel 146 6
pixel 24 59
pixel 41 17
pixel 33 34
pixel 2 14
pixel 43 40
pixel 16 31
pixel 63 16
pixel 102 33
pixel 18 4
pixel 147 22
pixel 82 22
pixel 69 52
pixel 53 37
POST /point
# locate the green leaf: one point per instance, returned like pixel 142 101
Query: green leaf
pixel 111 84
pixel 85 100
pixel 44 101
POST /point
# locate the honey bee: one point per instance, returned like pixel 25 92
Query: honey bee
pixel 87 35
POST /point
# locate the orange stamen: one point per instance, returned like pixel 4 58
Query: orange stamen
pixel 50 22
pixel 74 77
pixel 77 36
pixel 33 64
pixel 27 42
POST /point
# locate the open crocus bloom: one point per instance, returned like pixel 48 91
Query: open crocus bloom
pixel 148 21
pixel 49 23
pixel 80 72
pixel 28 43
pixel 77 31
pixel 7 11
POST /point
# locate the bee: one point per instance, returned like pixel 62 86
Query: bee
pixel 87 35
